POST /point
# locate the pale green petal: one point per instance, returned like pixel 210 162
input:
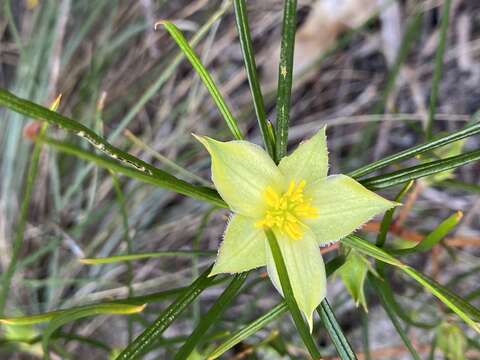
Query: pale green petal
pixel 241 171
pixel 243 247
pixel 343 206
pixel 305 269
pixel 309 161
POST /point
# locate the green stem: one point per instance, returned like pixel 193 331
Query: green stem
pixel 285 76
pixel 289 297
pixel 251 69
pixel 212 316
pixel 151 334
pixel 335 332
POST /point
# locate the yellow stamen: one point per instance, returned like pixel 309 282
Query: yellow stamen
pixel 285 211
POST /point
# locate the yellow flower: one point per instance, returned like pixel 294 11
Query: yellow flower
pixel 303 206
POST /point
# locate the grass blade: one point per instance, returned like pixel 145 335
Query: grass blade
pixel 141 256
pixel 434 237
pixel 167 73
pixel 466 311
pixel 335 332
pixel 437 74
pixel 262 321
pixel 251 329
pixel 150 335
pixel 134 300
pixel 388 217
pixel 389 297
pixel 205 76
pixel 212 316
pixel 285 76
pixel 251 69
pixel 457 304
pixel 289 298
pixel 105 308
pixel 69 316
pixel 416 150
pixel 419 171
pixel 161 179
pixel 131 164
pixel 39 112
pixel 393 317
pixel 24 209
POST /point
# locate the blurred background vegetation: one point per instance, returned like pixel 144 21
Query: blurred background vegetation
pixel 362 67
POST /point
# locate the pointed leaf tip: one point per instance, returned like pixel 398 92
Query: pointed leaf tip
pixel 160 23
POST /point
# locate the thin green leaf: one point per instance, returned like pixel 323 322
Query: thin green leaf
pixel 150 91
pixel 335 332
pixel 205 76
pixel 212 315
pixel 251 69
pixel 374 281
pixel 371 250
pixel 389 297
pixel 134 300
pixel 388 217
pixel 140 256
pixel 130 164
pixel 416 150
pixel 365 335
pixel 151 334
pixel 419 171
pixel 437 74
pixel 114 307
pixel 434 237
pixel 166 74
pixel 466 311
pixel 39 112
pixel 166 180
pixel 285 77
pixel 461 307
pixel 251 329
pixel 267 318
pixel 289 298
pixel 69 316
pixel 24 209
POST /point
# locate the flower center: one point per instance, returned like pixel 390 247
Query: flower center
pixel 285 211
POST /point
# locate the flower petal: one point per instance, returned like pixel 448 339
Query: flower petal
pixel 305 269
pixel 309 161
pixel 343 206
pixel 241 171
pixel 243 247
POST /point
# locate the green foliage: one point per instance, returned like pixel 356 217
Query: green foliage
pixel 439 157
pixel 353 274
